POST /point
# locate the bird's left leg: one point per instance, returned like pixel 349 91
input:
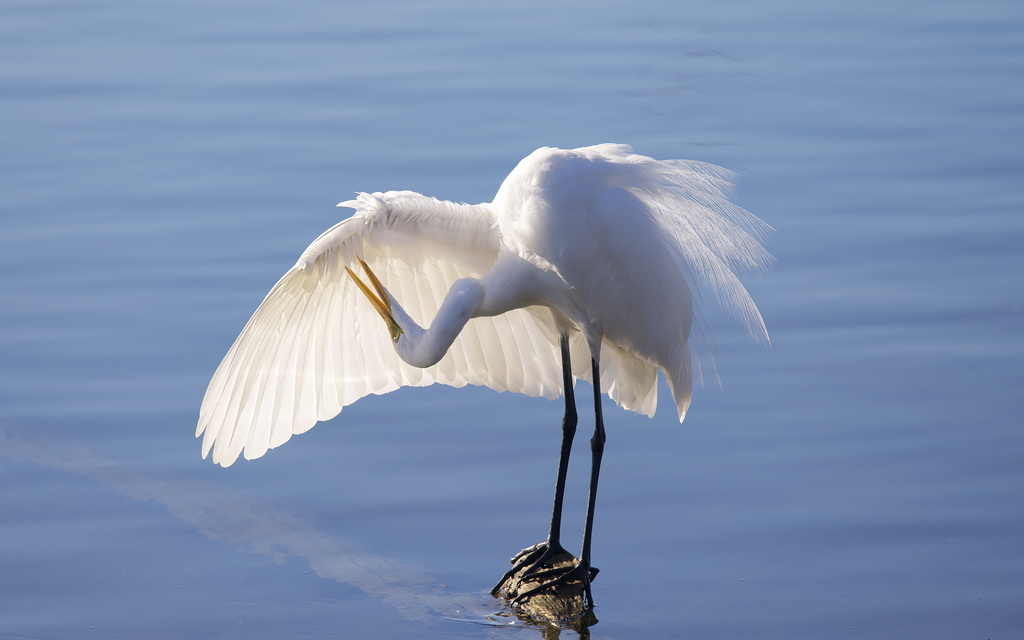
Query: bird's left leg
pixel 532 559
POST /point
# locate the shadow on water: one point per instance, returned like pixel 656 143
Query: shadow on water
pixel 253 526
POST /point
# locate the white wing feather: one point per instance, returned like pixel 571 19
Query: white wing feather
pixel 316 345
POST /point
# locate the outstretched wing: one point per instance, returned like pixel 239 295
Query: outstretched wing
pixel 316 345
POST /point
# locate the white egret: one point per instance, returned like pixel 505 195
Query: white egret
pixel 586 265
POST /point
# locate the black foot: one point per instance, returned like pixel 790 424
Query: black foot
pixel 552 580
pixel 549 570
pixel 527 562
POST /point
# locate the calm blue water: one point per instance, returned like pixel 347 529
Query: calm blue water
pixel 163 163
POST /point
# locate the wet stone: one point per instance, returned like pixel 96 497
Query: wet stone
pixel 563 602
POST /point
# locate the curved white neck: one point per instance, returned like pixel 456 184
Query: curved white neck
pixel 425 347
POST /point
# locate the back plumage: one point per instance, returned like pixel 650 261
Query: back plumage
pixel 636 239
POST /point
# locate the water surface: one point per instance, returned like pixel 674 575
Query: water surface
pixel 164 163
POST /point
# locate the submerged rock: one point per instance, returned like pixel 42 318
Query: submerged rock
pixel 563 603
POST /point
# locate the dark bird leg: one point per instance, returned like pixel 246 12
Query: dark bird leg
pixel 597 451
pixel 534 557
pixel 581 570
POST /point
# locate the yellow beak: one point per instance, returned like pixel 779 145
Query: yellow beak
pixel 380 300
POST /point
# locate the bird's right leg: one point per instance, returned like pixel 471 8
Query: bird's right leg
pixel 534 558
